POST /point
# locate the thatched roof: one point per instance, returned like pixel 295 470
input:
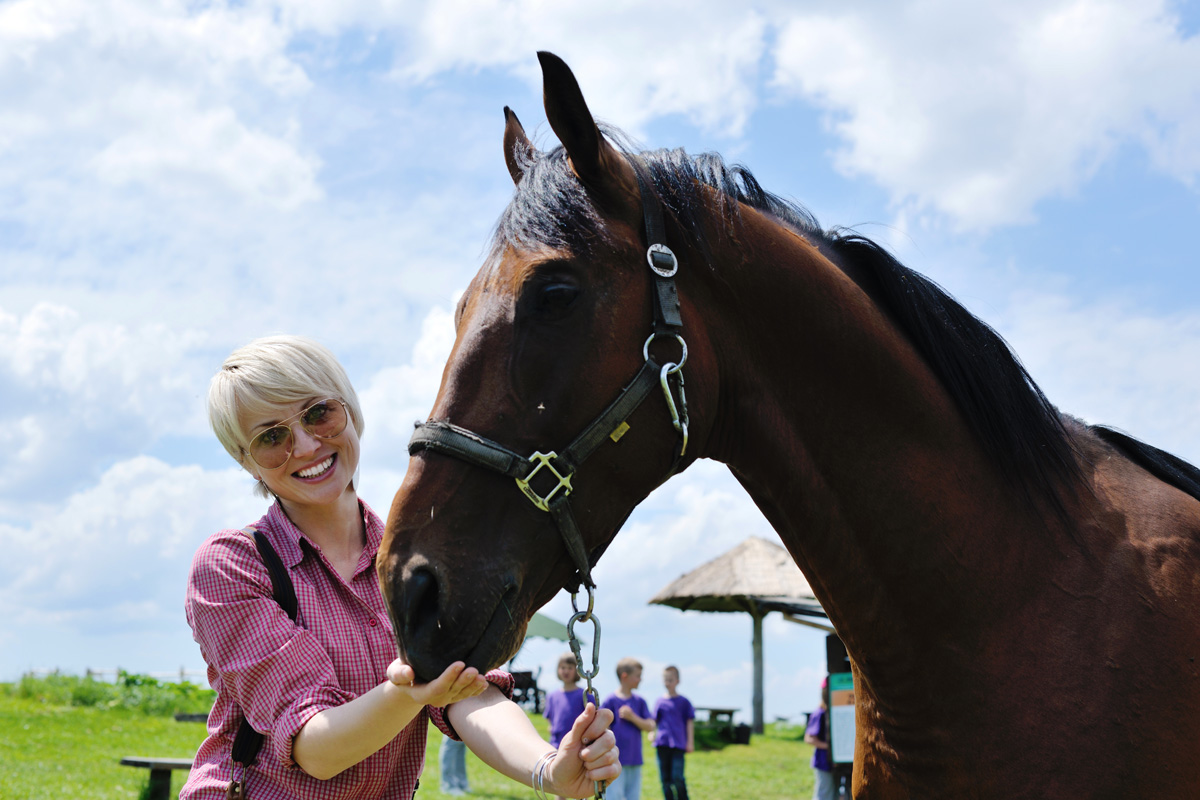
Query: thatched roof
pixel 755 573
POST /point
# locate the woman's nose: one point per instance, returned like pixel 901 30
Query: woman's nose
pixel 303 442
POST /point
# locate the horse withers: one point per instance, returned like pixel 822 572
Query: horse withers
pixel 1018 592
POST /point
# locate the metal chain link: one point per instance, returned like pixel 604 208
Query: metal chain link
pixel 589 692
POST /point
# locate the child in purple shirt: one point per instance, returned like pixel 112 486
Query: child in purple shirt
pixel 817 734
pixel 632 718
pixel 675 718
pixel 563 706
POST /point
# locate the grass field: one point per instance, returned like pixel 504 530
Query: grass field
pixel 50 749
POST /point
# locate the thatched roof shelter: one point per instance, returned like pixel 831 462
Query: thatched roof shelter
pixel 755 577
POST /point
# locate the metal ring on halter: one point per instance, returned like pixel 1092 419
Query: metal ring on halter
pixel 591 602
pixel 662 250
pixel 682 345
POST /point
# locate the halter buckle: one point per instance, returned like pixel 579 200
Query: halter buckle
pixel 662 260
pixel 544 460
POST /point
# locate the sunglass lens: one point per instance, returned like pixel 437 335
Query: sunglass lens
pixel 270 448
pixel 326 419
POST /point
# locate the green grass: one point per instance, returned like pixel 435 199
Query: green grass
pixel 49 748
pixel 774 766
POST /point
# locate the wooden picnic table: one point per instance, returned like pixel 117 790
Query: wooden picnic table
pixel 160 773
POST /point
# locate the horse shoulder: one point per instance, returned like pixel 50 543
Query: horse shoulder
pixel 1145 534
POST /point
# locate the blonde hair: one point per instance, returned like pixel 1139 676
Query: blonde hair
pixel 271 372
pixel 626 666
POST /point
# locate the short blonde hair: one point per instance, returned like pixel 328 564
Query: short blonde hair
pixel 270 372
pixel 628 665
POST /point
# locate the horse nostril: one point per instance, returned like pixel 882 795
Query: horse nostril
pixel 421 603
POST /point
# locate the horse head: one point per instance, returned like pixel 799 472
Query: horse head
pixel 558 320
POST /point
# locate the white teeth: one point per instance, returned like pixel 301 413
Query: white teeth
pixel 313 472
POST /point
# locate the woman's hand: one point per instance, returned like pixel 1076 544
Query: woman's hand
pixel 458 682
pixel 588 753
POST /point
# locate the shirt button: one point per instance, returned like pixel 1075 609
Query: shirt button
pixel 374 622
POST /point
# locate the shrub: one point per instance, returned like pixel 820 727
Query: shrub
pixel 133 691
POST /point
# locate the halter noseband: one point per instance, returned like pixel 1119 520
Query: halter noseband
pixel 559 468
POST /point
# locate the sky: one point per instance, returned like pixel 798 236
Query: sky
pixel 178 178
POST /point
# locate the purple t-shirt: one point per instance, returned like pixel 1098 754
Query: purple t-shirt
pixel 562 709
pixel 818 726
pixel 671 714
pixel 629 736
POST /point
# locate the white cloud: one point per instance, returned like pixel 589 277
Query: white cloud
pixel 117 554
pixel 159 94
pixel 393 399
pixel 84 394
pixel 978 111
pixel 182 148
pixel 1115 365
pixel 703 512
pixel 636 61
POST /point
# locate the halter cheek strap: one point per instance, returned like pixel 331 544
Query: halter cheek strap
pixel 554 471
pixel 545 478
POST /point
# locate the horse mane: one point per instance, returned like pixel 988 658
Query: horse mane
pixel 1168 468
pixel 1013 420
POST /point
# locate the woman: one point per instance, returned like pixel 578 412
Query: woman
pixel 341 718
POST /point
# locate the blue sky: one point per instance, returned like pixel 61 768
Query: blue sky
pixel 177 178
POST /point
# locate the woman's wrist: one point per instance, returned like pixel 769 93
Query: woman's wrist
pixel 540 780
pixel 399 694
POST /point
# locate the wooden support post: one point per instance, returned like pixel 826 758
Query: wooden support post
pixel 757 721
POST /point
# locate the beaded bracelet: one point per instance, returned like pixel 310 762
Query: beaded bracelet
pixel 538 777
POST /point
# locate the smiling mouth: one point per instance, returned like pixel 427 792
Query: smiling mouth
pixel 317 470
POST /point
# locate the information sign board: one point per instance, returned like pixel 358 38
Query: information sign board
pixel 841 717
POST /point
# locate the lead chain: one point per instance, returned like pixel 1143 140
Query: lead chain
pixel 589 693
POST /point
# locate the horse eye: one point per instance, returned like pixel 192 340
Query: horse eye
pixel 556 297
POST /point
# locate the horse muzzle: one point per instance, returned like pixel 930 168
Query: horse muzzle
pixel 479 627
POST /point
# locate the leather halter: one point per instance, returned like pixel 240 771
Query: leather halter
pixel 559 467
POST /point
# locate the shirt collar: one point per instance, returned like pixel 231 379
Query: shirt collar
pixel 287 536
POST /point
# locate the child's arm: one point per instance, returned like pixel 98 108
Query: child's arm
pixel 691 735
pixel 643 723
pixel 811 738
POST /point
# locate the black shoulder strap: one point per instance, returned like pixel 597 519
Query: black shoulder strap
pixel 281 581
pixel 248 741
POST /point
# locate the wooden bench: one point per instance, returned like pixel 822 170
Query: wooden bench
pixel 160 773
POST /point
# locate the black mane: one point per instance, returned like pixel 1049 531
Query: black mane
pixel 1011 417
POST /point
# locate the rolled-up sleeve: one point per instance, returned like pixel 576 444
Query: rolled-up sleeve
pixel 497 677
pixel 278 673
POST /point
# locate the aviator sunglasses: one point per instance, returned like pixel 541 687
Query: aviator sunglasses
pixel 324 419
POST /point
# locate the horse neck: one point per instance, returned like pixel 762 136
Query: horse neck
pixel 855 453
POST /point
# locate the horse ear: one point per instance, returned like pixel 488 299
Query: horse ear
pixel 597 163
pixel 518 150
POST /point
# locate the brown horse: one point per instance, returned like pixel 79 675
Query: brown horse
pixel 1018 592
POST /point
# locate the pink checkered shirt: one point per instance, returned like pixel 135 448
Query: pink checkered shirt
pixel 280 674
